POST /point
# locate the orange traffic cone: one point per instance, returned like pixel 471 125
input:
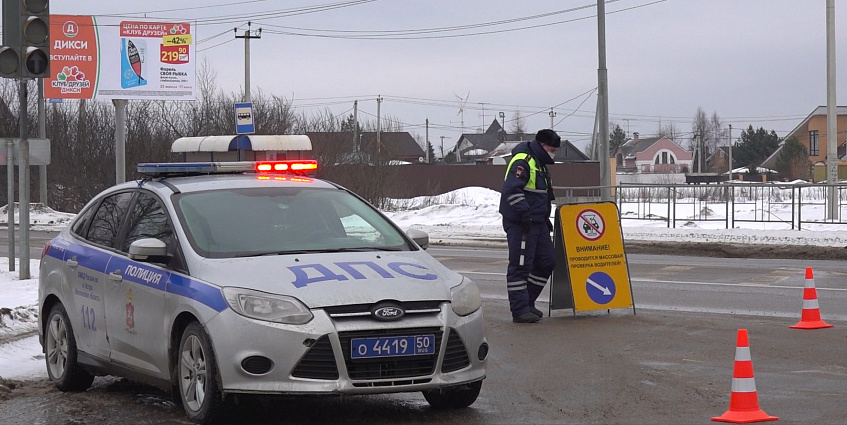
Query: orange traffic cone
pixel 810 317
pixel 743 400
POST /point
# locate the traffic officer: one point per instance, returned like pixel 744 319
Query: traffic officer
pixel 525 204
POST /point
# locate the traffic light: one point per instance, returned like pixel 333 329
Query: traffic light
pixel 34 24
pixel 10 59
pixel 10 62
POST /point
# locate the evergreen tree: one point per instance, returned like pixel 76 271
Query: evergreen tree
pixel 793 160
pixel 616 139
pixel 754 148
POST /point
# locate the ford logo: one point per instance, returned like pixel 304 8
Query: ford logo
pixel 387 313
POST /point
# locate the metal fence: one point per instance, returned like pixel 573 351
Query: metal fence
pixel 784 206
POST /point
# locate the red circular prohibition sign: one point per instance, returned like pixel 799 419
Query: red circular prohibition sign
pixel 590 224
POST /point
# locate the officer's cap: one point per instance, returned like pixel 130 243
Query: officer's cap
pixel 549 138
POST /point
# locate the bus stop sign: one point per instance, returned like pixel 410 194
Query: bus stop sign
pixel 244 118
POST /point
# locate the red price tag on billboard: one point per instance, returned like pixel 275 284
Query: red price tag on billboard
pixel 174 54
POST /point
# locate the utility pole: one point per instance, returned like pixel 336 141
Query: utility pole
pixel 603 99
pixel 442 149
pixel 427 141
pixel 247 36
pixel 698 149
pixel 552 115
pixel 730 151
pixel 356 126
pixel 831 124
pixel 503 120
pixel 378 124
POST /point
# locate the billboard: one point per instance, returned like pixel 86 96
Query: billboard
pixel 115 58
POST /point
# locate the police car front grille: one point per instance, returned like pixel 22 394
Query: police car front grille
pixel 391 383
pixel 318 363
pixel 364 310
pixel 393 367
pixel 455 355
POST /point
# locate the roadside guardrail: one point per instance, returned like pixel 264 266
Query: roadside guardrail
pixel 784 205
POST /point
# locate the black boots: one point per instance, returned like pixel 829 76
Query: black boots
pixel 528 317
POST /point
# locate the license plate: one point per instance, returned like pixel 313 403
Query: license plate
pixel 392 346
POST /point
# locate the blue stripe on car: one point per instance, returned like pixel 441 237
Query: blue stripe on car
pixel 199 291
pixel 98 260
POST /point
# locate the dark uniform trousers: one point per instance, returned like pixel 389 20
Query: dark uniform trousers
pixel 525 278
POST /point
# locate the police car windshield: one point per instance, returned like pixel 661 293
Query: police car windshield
pixel 242 222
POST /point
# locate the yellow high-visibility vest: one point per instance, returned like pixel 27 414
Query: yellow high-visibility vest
pixel 533 170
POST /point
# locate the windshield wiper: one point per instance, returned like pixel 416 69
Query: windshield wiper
pixel 318 250
pixel 361 249
pixel 262 254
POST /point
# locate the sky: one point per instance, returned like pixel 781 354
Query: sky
pixel 752 62
pixel 453 218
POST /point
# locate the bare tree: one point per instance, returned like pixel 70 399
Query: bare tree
pixel 717 134
pixel 82 134
pixel 669 130
pixel 518 123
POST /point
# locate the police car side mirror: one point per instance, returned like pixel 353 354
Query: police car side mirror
pixel 149 250
pixel 420 237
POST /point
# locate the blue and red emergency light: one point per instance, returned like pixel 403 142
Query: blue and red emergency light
pixel 162 169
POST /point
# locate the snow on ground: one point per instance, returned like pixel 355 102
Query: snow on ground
pixel 21 358
pixel 468 214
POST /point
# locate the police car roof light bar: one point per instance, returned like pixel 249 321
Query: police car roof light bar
pixel 163 169
pixel 298 166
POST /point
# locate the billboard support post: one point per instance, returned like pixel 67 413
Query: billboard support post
pixel 120 140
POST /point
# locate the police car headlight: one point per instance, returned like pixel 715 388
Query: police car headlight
pixel 465 298
pixel 268 307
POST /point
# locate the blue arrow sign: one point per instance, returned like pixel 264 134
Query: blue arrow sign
pixel 600 288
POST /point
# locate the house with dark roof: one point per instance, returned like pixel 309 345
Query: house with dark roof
pixel 473 147
pixel 502 154
pixel 341 146
pixel 718 161
pixel 652 155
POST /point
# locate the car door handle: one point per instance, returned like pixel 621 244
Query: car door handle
pixel 116 276
pixel 72 262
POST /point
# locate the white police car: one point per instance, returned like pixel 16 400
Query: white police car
pixel 215 279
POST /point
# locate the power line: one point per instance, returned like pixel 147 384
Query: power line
pixel 376 33
pixel 216 45
pixel 407 35
pixel 416 34
pixel 577 108
pixel 230 18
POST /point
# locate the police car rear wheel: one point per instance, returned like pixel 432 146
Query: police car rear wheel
pixel 198 389
pixel 61 353
pixel 453 397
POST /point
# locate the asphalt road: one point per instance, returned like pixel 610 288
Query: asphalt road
pixel 37 239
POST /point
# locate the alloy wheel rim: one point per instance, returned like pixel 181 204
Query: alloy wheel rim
pixel 57 346
pixel 192 366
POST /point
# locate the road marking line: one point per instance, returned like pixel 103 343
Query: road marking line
pixel 647 280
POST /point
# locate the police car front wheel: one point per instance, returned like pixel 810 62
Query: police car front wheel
pixel 198 389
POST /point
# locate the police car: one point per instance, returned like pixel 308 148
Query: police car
pixel 216 279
